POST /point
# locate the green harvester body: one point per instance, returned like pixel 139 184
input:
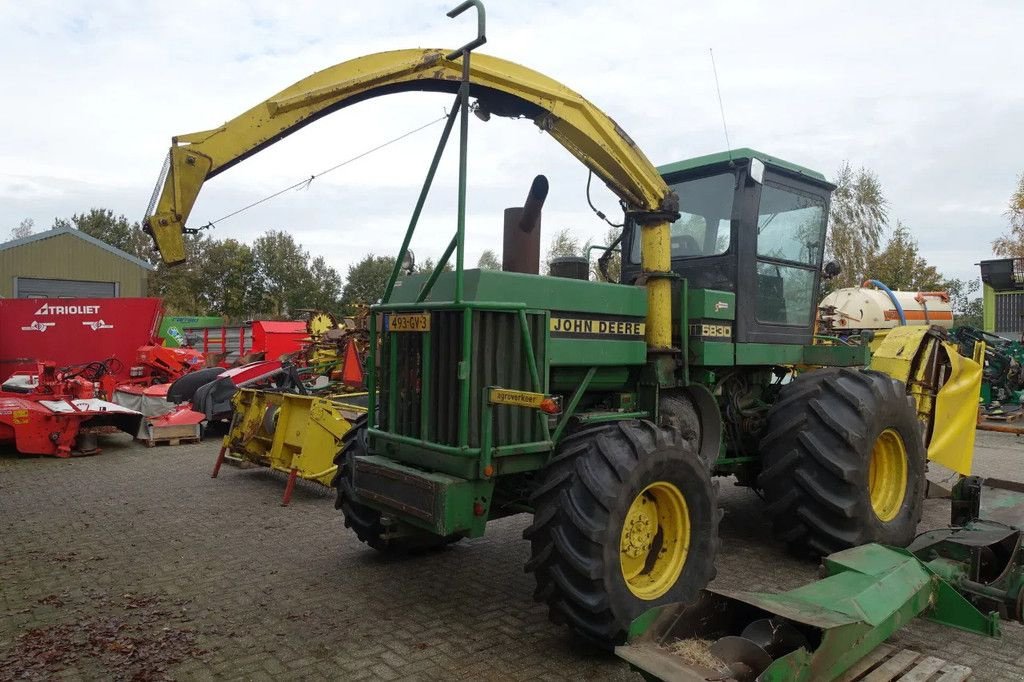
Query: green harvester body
pixel 435 432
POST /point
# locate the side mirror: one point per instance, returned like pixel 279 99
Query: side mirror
pixel 831 269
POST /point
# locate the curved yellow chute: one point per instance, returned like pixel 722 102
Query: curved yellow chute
pixel 501 87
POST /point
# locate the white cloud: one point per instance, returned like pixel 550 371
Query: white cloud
pixel 924 94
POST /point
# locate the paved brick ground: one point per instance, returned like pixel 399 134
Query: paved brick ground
pixel 135 564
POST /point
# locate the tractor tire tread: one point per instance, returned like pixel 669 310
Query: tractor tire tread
pixel 816 453
pixel 573 525
pixel 366 521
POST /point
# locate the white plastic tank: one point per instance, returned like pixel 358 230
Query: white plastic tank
pixel 856 308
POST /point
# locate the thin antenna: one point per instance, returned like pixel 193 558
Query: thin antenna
pixel 721 108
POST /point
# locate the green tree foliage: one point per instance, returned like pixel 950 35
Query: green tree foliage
pixel 229 283
pixel 281 272
pixel 1011 244
pixel 428 266
pixel 323 288
pixel 488 261
pixel 968 307
pixel 181 286
pixel 564 243
pixel 857 221
pixel 900 265
pixel 367 279
pixel 274 277
pixel 24 229
pixel 102 224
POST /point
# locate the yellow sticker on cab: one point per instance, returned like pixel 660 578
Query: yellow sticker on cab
pixel 507 396
pixel 19 417
pixel 409 322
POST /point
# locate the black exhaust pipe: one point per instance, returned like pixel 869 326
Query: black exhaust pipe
pixel 521 247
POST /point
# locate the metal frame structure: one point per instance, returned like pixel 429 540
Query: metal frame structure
pixel 460 110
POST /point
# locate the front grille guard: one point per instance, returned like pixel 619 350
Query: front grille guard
pixel 470 434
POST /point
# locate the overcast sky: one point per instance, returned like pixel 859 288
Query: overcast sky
pixel 928 95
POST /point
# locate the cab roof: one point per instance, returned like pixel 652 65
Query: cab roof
pixel 743 153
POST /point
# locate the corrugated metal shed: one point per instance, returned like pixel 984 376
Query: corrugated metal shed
pixel 66 262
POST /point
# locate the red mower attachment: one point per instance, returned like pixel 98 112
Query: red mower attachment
pixel 56 412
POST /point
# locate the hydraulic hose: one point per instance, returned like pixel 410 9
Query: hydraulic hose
pixel 892 297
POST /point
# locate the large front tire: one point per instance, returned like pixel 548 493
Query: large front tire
pixel 844 462
pixel 366 522
pixel 625 519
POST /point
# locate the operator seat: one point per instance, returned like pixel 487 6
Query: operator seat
pixel 685 245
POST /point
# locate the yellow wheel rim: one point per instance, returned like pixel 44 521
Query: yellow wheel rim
pixel 655 540
pixel 887 475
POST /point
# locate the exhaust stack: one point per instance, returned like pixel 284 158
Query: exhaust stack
pixel 521 244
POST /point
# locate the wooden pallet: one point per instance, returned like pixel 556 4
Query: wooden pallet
pixel 181 440
pixel 889 664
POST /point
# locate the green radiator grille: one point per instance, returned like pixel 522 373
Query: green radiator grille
pixel 496 359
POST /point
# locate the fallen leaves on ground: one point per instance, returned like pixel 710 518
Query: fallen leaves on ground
pixel 136 639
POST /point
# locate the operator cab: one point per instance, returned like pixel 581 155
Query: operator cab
pixel 753 225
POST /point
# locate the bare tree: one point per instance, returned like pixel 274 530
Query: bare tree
pixel 24 229
pixel 1011 244
pixel 612 259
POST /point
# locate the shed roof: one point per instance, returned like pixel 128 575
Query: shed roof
pixel 78 234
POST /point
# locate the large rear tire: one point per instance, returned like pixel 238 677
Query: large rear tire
pixel 844 462
pixel 625 519
pixel 367 522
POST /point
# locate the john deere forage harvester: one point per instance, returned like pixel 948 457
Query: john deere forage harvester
pixel 604 409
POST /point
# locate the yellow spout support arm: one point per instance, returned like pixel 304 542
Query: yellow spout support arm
pixel 501 88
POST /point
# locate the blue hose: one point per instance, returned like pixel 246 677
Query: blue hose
pixel 892 297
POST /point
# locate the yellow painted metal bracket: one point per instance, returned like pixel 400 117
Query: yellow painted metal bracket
pixel 501 88
pixel 944 384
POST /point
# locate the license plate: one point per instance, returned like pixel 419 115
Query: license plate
pixel 409 322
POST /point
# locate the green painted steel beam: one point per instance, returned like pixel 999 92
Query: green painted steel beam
pixel 536 292
pixel 418 209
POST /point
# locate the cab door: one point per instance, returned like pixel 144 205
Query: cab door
pixel 780 251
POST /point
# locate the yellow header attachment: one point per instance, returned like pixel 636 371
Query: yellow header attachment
pixel 944 384
pixel 501 87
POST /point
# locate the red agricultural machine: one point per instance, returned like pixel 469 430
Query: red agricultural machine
pixel 56 411
pixel 86 366
pixel 69 363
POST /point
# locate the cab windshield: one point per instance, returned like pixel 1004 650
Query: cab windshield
pixel 704 227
